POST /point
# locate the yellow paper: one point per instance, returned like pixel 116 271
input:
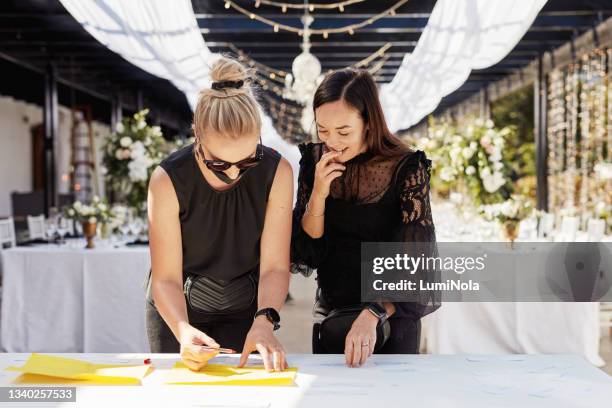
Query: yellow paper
pixel 221 374
pixel 42 368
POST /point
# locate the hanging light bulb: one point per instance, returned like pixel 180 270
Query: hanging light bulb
pixel 392 12
pixel 252 15
pixel 325 35
pixel 276 28
pixel 227 4
pixel 284 8
pixel 341 8
pixel 350 31
pixel 311 7
pixel 257 3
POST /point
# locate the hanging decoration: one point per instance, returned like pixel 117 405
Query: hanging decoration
pixel 325 32
pixel 579 151
pixel 311 7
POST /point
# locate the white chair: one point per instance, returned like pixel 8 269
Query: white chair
pixel 7 233
pixel 36 226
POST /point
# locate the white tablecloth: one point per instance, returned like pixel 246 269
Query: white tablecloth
pixel 492 328
pixel 63 299
pixel 385 381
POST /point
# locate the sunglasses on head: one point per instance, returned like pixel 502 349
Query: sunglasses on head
pixel 222 165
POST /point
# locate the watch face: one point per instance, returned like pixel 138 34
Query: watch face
pixel 274 315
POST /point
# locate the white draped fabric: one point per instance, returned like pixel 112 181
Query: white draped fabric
pixel 162 37
pixel 159 36
pixel 460 35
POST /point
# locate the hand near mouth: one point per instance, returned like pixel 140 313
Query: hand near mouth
pixel 327 169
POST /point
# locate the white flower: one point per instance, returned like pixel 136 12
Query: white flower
pixel 495 155
pixel 489 124
pixel 447 174
pixel 77 205
pixel 92 220
pixel 470 170
pixel 119 154
pixel 102 207
pixel 103 170
pixel 125 154
pixel 138 168
pixel 120 128
pixel 125 141
pixel 603 170
pixel 467 153
pixel 147 141
pixel 95 199
pixel 141 124
pixel 138 150
pixel 492 181
pixel 71 212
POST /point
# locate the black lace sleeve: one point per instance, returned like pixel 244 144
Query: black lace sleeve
pixel 417 227
pixel 306 252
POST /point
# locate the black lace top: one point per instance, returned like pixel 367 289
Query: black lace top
pixel 377 199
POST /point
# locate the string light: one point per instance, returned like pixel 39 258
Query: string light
pixel 346 29
pixel 227 5
pixel 313 6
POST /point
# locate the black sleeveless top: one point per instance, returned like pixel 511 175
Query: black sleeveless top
pixel 221 230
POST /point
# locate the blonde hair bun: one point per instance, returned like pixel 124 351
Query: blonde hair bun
pixel 229 110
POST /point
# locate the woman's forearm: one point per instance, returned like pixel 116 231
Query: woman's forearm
pixel 170 303
pixel 314 217
pixel 273 288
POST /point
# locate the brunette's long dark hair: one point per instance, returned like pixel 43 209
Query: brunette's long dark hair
pixel 357 88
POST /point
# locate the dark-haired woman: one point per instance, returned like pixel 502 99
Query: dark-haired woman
pixel 360 184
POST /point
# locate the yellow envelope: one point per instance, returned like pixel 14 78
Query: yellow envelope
pixel 222 374
pixel 42 368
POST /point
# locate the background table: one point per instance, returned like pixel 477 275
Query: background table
pixel 385 380
pixel 64 299
pixel 507 327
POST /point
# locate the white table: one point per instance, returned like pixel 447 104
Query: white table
pixel 65 299
pixel 385 381
pixel 507 327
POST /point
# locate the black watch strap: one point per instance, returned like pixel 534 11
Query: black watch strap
pixel 272 316
pixel 378 310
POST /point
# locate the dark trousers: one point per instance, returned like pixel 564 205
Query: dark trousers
pixel 404 338
pixel 229 331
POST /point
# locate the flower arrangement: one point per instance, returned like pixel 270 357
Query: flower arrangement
pixel 470 154
pixel 131 154
pixel 509 214
pixel 95 212
pixel 515 209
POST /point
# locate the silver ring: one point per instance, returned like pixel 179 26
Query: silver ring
pixel 365 345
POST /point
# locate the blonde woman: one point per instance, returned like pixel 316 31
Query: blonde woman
pixel 220 228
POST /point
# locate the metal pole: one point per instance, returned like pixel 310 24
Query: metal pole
pixel 50 118
pixel 540 115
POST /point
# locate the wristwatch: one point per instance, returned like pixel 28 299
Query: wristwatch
pixel 377 310
pixel 272 316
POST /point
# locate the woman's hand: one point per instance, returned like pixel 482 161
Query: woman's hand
pixel 360 340
pixel 262 339
pixel 192 353
pixel 326 171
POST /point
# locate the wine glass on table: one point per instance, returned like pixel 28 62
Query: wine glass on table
pixel 62 228
pixel 50 229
